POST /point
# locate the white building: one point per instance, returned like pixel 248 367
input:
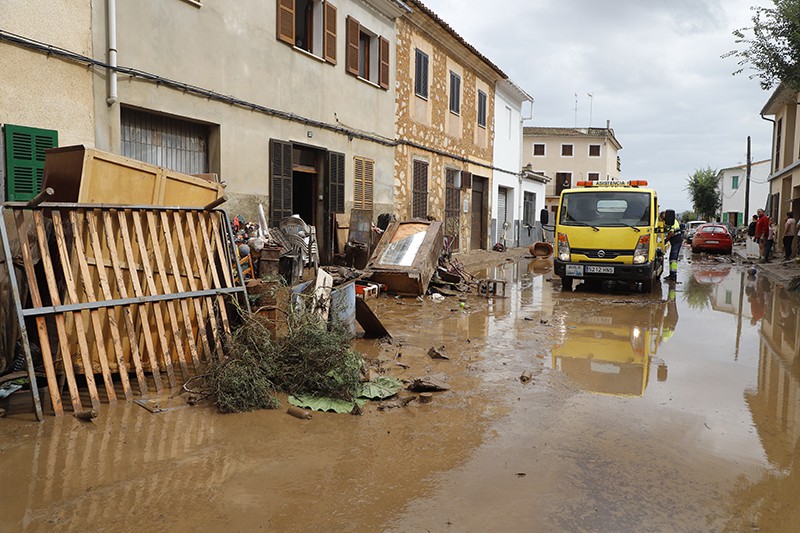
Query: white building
pixel 517 195
pixel 732 183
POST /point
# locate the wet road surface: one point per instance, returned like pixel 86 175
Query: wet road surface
pixel 673 411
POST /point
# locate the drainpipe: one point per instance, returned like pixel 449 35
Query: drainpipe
pixel 111 12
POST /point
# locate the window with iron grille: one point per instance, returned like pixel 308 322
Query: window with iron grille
pixel 165 141
pixel 419 190
pixel 363 183
pixel 452 203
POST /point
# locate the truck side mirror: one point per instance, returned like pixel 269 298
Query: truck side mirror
pixel 669 217
pixel 544 217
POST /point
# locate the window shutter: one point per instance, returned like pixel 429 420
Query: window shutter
pixel 286 21
pixel 383 58
pixel 281 188
pixel 353 31
pixel 335 182
pixel 419 205
pixel 330 33
pixel 466 180
pixel 358 183
pixel 25 160
pixel 369 179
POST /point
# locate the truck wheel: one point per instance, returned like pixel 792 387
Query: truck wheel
pixel 566 284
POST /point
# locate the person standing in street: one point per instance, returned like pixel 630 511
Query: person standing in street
pixel 773 230
pixel 789 231
pixel 762 232
pixel 675 240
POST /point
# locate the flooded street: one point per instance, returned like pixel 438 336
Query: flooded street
pixel 672 411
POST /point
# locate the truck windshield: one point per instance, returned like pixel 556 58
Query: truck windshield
pixel 605 208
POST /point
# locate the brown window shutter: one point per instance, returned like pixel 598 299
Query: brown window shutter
pixel 286 21
pixel 466 180
pixel 280 199
pixel 335 182
pixel 383 58
pixel 369 178
pixel 358 183
pixel 330 33
pixel 419 202
pixel 353 31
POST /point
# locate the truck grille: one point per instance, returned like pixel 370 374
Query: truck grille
pixel 607 254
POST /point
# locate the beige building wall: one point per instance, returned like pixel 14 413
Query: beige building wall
pixel 428 131
pixel 580 165
pixel 784 181
pixel 41 91
pixel 232 49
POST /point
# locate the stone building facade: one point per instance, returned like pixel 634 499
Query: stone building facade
pixel 445 116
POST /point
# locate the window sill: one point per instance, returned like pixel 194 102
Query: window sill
pixel 309 54
pixel 482 126
pixel 421 97
pixel 454 113
pixel 369 82
pixel 195 3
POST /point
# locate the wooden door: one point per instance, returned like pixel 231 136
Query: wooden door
pixel 479 214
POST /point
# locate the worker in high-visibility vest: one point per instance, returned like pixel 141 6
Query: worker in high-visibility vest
pixel 675 239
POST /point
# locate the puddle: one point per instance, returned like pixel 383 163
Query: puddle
pixel 672 411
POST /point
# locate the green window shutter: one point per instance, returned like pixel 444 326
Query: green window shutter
pixel 25 160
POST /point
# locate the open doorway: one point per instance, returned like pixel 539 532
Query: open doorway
pixel 307 181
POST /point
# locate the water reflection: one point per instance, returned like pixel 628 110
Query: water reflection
pixel 771 501
pixel 610 351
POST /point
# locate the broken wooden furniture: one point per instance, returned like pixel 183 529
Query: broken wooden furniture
pixel 119 291
pixel 87 175
pixel 406 257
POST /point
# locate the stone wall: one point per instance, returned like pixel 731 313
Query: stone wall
pixel 474 143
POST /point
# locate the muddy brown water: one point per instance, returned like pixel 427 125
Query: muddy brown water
pixel 674 411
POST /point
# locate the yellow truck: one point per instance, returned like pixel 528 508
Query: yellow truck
pixel 609 230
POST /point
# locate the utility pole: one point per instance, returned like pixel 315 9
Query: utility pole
pixel 747 186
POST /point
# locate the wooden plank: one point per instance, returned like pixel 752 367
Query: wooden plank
pixel 151 285
pixel 201 266
pixel 184 305
pixel 41 326
pixel 167 289
pixel 126 310
pixel 61 328
pixel 94 240
pixel 373 328
pixel 152 356
pixel 226 272
pixel 72 292
pixel 214 276
pixel 190 276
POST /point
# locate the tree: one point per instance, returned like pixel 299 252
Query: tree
pixel 704 193
pixel 773 48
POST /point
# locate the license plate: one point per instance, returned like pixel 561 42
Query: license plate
pixel 712 242
pixel 599 270
pixel 574 270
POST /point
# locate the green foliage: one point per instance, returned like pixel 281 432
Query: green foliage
pixel 314 360
pixel 704 193
pixel 316 403
pixel 237 386
pixel 772 45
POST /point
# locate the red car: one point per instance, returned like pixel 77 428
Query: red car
pixel 712 238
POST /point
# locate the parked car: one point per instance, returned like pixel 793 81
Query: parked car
pixel 712 238
pixel 691 228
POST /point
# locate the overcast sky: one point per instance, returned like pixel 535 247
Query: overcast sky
pixel 653 67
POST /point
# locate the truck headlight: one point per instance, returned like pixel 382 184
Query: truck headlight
pixel 642 251
pixel 563 247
